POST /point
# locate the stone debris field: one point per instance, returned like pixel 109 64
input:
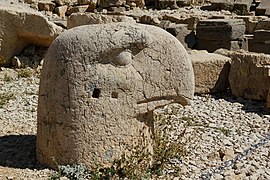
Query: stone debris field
pixel 135 89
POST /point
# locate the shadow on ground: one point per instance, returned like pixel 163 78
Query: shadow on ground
pixel 255 106
pixel 19 151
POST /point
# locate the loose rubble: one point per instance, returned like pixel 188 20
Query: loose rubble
pixel 219 128
pixel 226 137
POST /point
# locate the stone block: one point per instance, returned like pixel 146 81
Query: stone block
pixel 61 11
pixel 78 19
pixel 242 6
pixel 20 27
pixel 99 87
pixel 110 3
pixel 263 8
pixel 238 6
pixel 260 42
pixel 164 4
pixel 263 25
pixel 185 36
pixel 268 99
pixel 91 4
pixel 259 47
pixel 249 75
pixel 213 45
pixel 220 29
pixel 222 5
pixel 77 9
pixel 46 6
pixel 65 2
pixel 211 71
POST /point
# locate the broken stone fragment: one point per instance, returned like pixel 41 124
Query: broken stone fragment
pixel 211 71
pixel 20 27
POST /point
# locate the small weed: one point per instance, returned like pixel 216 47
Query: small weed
pixel 5 97
pixel 140 163
pixel 7 78
pixel 225 131
pixel 25 73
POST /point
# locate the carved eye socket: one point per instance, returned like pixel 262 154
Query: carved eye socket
pixel 124 58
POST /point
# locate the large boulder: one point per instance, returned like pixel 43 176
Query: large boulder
pixel 249 75
pixel 21 26
pixel 99 87
pixel 211 71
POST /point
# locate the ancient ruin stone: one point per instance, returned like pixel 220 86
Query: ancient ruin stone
pixel 263 8
pixel 21 26
pixel 46 6
pixel 249 75
pixel 109 3
pixel 213 34
pixel 268 100
pixel 220 29
pixel 61 11
pixel 211 71
pixel 260 42
pixel 213 45
pixel 164 4
pixel 99 86
pixel 263 24
pixel 185 36
pixel 78 19
pixel 238 6
pixel 77 9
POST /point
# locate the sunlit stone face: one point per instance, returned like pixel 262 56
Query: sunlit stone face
pixel 99 86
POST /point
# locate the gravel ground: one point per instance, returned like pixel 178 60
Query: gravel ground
pixel 219 129
pixel 18 99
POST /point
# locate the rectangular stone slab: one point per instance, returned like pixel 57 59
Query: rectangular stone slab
pixel 262 36
pixel 263 8
pixel 220 29
pixel 212 45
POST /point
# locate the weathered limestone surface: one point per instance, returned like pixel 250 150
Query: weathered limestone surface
pixel 213 45
pixel 211 71
pixel 185 36
pixel 263 24
pixel 260 42
pixel 213 34
pixel 99 86
pixel 220 29
pixel 109 3
pixel 239 6
pixel 21 26
pixel 163 4
pixel 263 8
pixel 268 101
pixel 78 19
pixel 249 75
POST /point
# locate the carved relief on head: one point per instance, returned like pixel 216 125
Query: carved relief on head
pixel 100 82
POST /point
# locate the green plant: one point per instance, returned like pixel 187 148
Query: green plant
pixel 25 73
pixel 5 97
pixel 7 78
pixel 142 162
